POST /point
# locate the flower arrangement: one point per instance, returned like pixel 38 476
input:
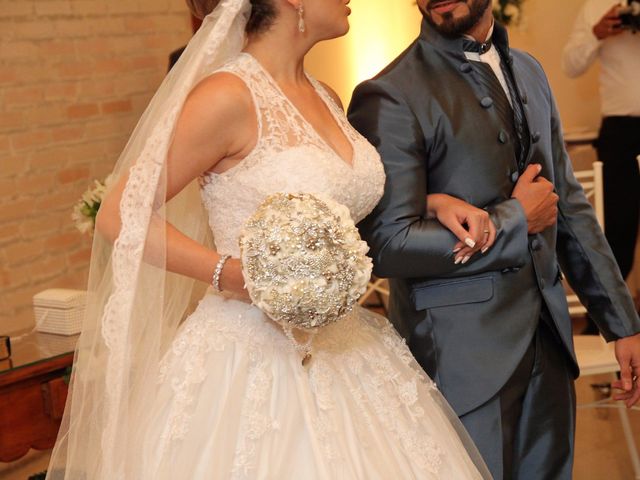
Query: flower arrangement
pixel 303 261
pixel 85 211
pixel 508 12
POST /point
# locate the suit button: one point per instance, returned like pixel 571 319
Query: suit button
pixel 486 102
pixel 536 137
pixel 510 60
pixel 524 98
pixel 542 284
pixel 514 177
pixel 535 245
pixel 465 68
pixel 503 137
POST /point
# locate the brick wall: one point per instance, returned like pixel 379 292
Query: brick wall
pixel 75 75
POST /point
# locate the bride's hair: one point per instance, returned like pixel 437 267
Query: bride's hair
pixel 263 12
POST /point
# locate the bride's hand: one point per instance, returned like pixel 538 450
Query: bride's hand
pixel 472 225
pixel 232 281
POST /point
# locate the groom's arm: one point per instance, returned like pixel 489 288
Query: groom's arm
pixel 584 253
pixel 403 242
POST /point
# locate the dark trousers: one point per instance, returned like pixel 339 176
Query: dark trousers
pixel 526 432
pixel 618 146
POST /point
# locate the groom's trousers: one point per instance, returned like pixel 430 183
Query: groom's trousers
pixel 526 431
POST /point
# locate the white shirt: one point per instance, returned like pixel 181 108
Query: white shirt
pixel 619 60
pixel 492 58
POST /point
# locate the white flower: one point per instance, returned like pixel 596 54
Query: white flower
pixel 85 211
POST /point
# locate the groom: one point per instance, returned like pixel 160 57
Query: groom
pixel 462 114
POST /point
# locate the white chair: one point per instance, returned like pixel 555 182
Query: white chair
pixel 596 357
pixel 378 287
pixel 591 181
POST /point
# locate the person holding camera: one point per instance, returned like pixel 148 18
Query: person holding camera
pixel 606 32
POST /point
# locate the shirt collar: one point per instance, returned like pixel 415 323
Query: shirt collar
pixel 453 45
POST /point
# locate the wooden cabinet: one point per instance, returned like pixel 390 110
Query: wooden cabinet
pixel 33 391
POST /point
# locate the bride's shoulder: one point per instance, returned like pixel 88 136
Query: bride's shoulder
pixel 221 93
pixel 219 103
pixel 223 87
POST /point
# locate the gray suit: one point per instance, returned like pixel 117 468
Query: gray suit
pixel 471 325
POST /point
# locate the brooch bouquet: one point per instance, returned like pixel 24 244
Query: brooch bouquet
pixel 303 261
pixel 85 211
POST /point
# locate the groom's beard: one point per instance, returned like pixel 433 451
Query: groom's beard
pixel 454 27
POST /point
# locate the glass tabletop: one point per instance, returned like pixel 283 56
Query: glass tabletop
pixel 29 348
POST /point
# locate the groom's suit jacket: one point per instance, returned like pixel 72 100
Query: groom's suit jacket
pixel 438 131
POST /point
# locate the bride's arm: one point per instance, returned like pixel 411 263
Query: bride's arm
pixel 216 128
pixel 473 226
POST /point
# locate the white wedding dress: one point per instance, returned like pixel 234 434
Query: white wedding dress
pixel 235 402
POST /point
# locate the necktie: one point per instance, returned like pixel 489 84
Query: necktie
pixel 511 114
pixel 522 128
pixel 494 89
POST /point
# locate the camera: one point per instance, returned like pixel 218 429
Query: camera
pixel 630 16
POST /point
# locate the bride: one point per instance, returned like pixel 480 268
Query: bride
pixel 221 393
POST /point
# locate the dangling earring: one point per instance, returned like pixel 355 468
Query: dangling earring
pixel 301 25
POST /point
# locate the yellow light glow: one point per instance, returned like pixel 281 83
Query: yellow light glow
pixel 380 31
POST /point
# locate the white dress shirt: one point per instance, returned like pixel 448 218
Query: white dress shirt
pixel 619 60
pixel 492 58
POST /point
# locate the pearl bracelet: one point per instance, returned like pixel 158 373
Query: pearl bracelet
pixel 216 273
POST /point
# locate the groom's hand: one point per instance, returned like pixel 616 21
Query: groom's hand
pixel 538 200
pixel 628 355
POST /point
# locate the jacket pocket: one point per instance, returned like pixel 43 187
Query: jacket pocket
pixel 454 292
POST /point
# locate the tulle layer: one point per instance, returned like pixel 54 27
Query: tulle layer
pixel 234 401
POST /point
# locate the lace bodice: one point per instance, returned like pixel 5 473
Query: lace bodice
pixel 289 156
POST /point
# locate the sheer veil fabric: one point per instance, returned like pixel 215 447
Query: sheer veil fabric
pixel 135 306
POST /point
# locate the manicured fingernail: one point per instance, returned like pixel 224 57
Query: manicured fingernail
pixel 456 250
pixel 484 249
pixel 458 260
pixel 466 259
pixel 469 242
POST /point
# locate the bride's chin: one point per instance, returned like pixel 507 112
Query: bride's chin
pixel 341 32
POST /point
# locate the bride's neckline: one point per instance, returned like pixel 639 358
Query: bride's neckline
pixel 348 162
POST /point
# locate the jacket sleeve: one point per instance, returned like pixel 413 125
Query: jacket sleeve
pixel 582 47
pixel 403 242
pixel 583 252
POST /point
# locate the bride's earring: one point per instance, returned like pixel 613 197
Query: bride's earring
pixel 301 25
